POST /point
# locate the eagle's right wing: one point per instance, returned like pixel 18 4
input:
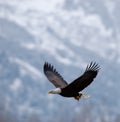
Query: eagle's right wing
pixel 53 76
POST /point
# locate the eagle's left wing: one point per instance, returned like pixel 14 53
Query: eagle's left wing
pixel 83 81
pixel 53 76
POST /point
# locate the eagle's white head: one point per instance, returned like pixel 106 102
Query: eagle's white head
pixel 55 91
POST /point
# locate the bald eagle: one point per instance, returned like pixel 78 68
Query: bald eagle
pixel 73 89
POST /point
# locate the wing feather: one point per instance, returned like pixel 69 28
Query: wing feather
pixel 83 81
pixel 53 76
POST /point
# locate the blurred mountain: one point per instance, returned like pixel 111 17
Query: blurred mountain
pixel 69 34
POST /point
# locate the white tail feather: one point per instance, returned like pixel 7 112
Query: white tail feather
pixel 85 96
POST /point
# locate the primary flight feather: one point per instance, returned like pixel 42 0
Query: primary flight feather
pixel 72 89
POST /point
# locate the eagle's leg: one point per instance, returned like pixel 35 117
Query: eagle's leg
pixel 81 95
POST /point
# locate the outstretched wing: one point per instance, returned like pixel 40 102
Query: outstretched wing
pixel 83 81
pixel 53 76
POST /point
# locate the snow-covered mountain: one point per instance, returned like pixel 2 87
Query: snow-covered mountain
pixel 68 34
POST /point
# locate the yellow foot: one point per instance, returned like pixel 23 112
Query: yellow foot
pixel 77 97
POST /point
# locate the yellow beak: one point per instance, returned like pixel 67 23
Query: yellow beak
pixel 49 92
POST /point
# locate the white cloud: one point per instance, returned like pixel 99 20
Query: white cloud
pixel 27 68
pixel 39 5
pixel 16 85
